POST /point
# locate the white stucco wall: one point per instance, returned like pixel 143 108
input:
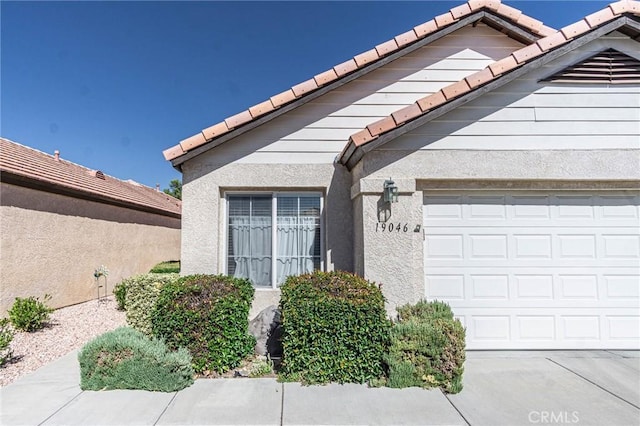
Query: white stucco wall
pixel 51 244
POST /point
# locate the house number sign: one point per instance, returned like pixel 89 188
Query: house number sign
pixel 398 227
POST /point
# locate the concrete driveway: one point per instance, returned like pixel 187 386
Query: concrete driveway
pixel 501 388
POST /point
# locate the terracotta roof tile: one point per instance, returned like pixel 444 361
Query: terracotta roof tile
pixel 386 47
pixel 526 53
pixel 479 78
pixel 456 89
pixel 173 152
pixel 425 29
pixel 362 137
pixel 625 6
pixel 366 57
pixel 552 41
pixel 192 142
pixel 575 29
pixel 445 19
pixel 238 119
pixel 406 38
pixel 261 109
pixel 36 166
pixel 381 50
pixel 599 17
pixel 215 130
pixel 547 31
pixel 407 113
pixel 325 77
pixel 381 126
pixel 503 65
pixel 432 101
pixel 283 98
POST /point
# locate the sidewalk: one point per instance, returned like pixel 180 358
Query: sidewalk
pixel 501 388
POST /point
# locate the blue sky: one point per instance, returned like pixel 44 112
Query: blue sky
pixel 112 84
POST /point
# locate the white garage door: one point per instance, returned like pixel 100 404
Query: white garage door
pixel 528 270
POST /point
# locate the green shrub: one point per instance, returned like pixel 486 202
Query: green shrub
pixel 30 314
pixel 427 348
pixel 207 314
pixel 120 292
pixel 334 328
pixel 140 298
pixel 171 267
pixel 6 336
pixel 127 359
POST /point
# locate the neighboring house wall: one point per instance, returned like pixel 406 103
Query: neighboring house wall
pixel 51 244
pixel 296 152
pixel 527 134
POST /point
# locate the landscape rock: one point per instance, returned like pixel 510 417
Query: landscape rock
pixel 266 327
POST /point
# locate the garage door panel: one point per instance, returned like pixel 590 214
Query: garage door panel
pixel 537 271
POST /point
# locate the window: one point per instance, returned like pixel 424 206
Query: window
pixel 273 232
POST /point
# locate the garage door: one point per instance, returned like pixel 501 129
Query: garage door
pixel 529 270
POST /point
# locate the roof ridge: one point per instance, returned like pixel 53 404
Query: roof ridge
pixel 491 72
pixel 359 61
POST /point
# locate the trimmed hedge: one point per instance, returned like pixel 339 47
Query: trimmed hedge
pixel 208 315
pixel 170 267
pixel 127 359
pixel 427 348
pixel 334 328
pixel 141 294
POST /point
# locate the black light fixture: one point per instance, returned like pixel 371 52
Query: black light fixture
pixel 390 194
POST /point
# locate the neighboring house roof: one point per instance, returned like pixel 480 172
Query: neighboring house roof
pixel 24 166
pixel 622 16
pixel 506 18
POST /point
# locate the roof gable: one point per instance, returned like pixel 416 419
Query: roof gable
pixel 622 16
pixel 494 13
pixel 26 166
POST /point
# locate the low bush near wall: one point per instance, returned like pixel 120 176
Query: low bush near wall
pixel 141 294
pixel 171 267
pixel 120 292
pixel 335 328
pixel 6 336
pixel 30 314
pixel 127 359
pixel 207 314
pixel 427 348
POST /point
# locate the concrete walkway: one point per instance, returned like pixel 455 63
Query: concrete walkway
pixel 500 388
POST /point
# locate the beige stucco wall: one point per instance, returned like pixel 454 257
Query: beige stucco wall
pixel 51 244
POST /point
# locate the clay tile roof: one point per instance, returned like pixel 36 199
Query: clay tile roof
pixel 21 164
pixel 493 71
pixel 359 61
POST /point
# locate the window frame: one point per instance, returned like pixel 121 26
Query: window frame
pixel 274 212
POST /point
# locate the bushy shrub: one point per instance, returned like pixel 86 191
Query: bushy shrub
pixel 334 328
pixel 30 314
pixel 6 336
pixel 171 267
pixel 140 298
pixel 427 348
pixel 208 315
pixel 127 359
pixel 120 292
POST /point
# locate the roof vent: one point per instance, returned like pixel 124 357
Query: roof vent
pixel 56 155
pixel 606 67
pixel 96 173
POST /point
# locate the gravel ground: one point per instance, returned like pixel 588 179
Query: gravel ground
pixel 69 328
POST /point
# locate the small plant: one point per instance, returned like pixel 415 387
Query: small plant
pixel 127 359
pixel 6 336
pixel 30 314
pixel 334 328
pixel 208 315
pixel 261 367
pixel 120 292
pixel 170 267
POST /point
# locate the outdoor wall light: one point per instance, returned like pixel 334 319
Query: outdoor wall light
pixel 390 194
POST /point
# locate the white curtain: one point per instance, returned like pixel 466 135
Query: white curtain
pixel 295 238
pixel 251 243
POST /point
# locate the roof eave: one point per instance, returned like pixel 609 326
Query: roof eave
pixel 17 179
pixel 352 153
pixel 486 15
